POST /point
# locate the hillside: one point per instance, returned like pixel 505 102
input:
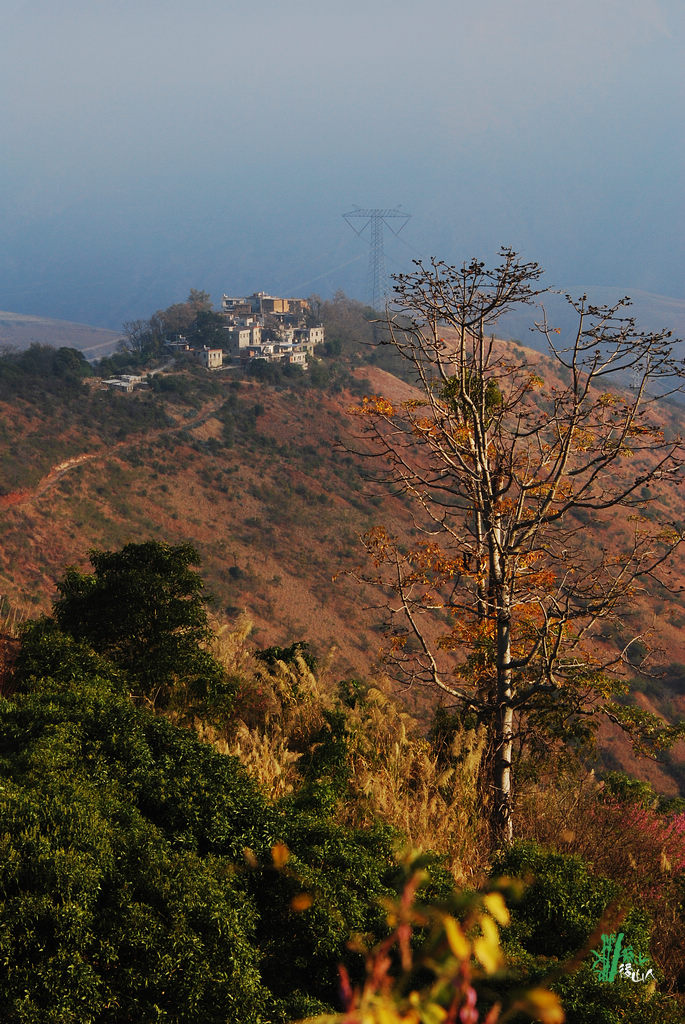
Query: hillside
pixel 147 874
pixel 250 473
pixel 258 477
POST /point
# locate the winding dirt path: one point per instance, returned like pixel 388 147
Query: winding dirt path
pixel 25 496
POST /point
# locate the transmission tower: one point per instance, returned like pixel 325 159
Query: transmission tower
pixel 376 218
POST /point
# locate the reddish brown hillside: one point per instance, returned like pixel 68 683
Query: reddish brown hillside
pixel 256 477
pixel 275 510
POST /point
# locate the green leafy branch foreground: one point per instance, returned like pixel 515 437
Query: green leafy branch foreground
pixel 190 833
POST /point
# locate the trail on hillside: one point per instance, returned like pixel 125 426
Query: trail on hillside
pixel 25 496
pixel 54 474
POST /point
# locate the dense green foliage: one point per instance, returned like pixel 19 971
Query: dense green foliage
pixel 143 607
pixel 42 369
pixel 124 885
pixel 145 877
pixel 563 903
pixel 559 921
pixel 119 899
pixel 208 328
pixel 345 872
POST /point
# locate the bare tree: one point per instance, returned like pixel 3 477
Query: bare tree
pixel 147 337
pixel 142 337
pixel 514 479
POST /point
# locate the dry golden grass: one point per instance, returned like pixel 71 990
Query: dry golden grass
pixel 399 779
pixel 278 709
pixel 12 617
pixel 396 777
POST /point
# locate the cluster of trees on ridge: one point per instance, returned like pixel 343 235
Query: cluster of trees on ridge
pixel 58 368
pixel 146 876
pixel 194 319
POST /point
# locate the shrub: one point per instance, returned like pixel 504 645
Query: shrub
pixel 123 877
pixel 339 875
pixel 559 921
pixel 144 608
pixel 562 904
pixel 441 962
pixel 288 655
pixel 118 897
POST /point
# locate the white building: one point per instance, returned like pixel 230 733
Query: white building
pixel 241 338
pixel 309 337
pixel 211 358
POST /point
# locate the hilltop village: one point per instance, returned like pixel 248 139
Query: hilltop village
pixel 260 326
pixel 247 328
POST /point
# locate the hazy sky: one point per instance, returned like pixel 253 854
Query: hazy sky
pixel 150 145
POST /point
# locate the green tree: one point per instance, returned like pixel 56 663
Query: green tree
pixel 119 898
pixel 179 318
pixel 124 888
pixel 144 608
pixel 71 364
pixel 208 328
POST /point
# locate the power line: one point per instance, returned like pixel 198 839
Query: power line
pixel 327 273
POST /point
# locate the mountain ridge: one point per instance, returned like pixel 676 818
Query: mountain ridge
pixel 20 330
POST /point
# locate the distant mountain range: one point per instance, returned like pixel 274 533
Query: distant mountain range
pixel 651 312
pixel 19 331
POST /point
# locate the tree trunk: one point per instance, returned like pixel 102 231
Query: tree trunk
pixel 504 722
pixel 502 810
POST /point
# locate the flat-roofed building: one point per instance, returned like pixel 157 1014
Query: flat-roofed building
pixel 211 358
pixel 236 306
pixel 241 338
pixel 309 337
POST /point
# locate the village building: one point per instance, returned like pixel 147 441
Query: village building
pixel 241 337
pixel 309 337
pixel 211 358
pixel 125 382
pixel 262 326
pixel 264 304
pixel 257 326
